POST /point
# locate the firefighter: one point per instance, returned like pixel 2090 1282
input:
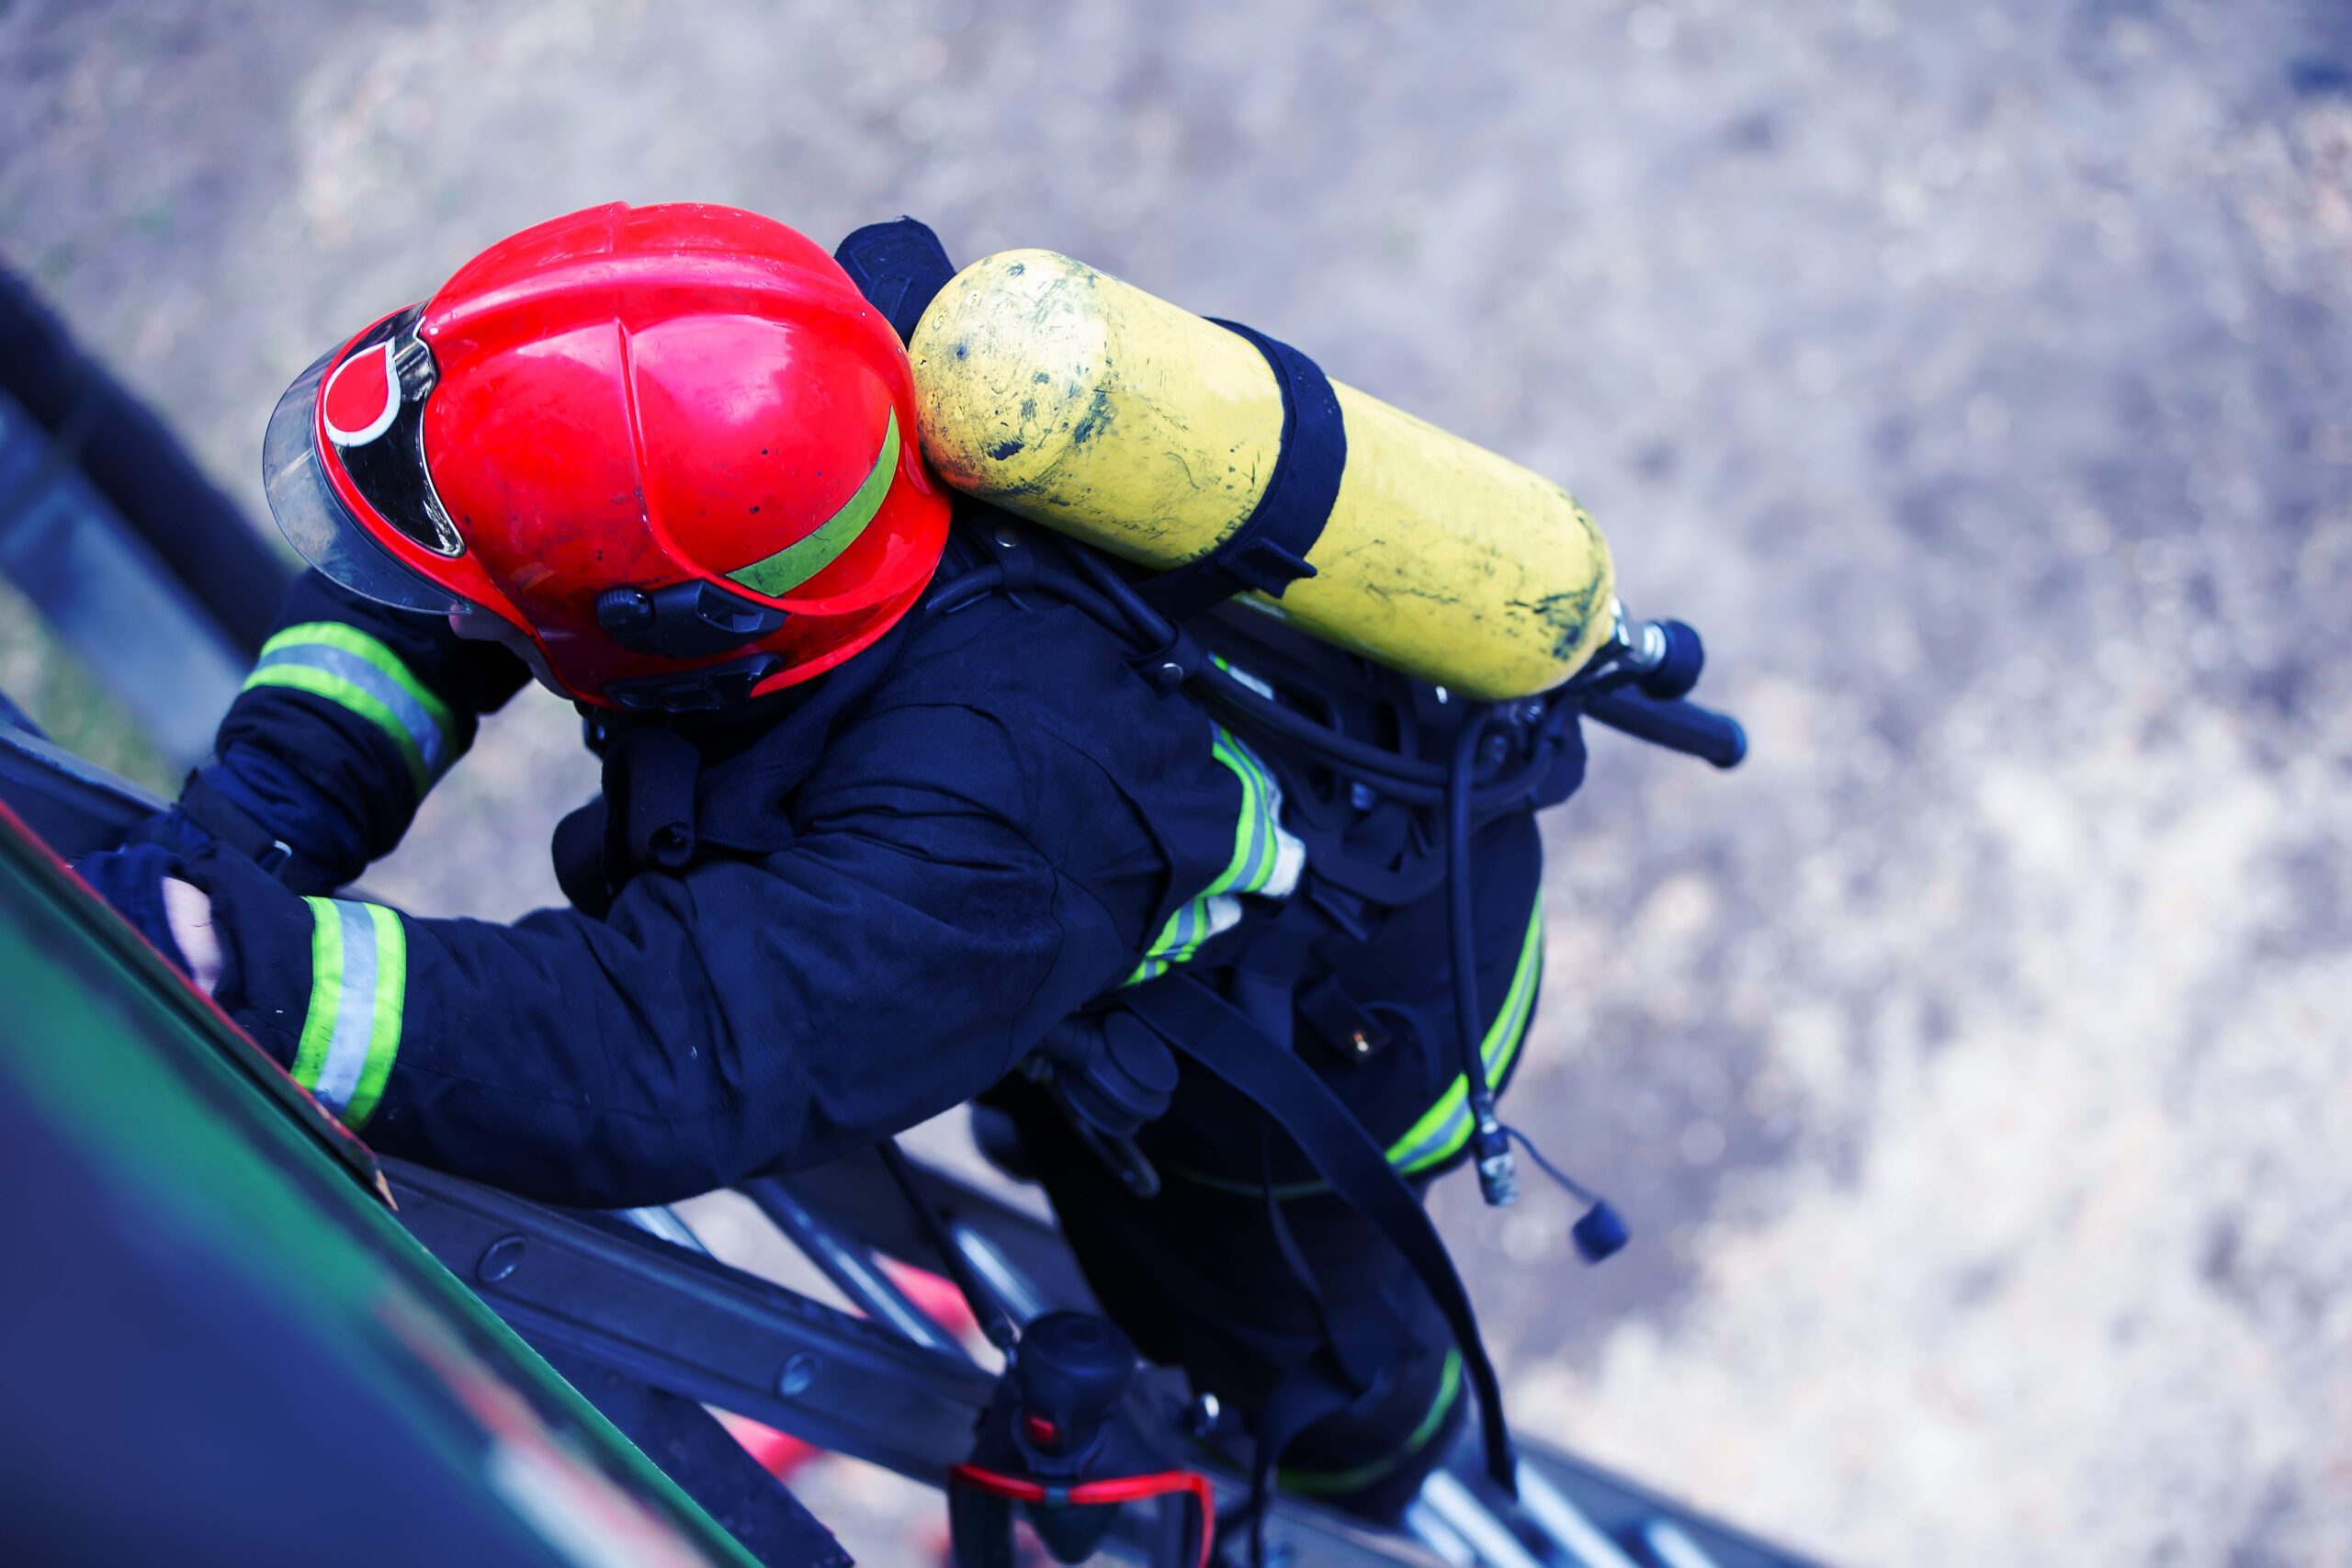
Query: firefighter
pixel 867 849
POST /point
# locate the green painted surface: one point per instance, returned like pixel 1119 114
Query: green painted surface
pixel 174 1110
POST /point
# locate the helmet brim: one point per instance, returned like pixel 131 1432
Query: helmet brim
pixel 316 521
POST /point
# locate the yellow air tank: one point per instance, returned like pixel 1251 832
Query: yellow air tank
pixel 1086 404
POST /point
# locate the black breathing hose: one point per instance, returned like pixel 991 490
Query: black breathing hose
pixel 1409 779
pixel 1498 1174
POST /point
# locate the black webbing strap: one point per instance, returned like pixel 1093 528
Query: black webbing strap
pixel 1200 1024
pixel 900 268
pixel 1268 552
pixel 223 817
pixel 1306 1394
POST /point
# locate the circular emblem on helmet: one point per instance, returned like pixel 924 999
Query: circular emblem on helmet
pixel 362 398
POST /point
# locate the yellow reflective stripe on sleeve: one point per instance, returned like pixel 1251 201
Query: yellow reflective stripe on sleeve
pixel 346 666
pixel 1267 859
pixel 1445 1129
pixel 1254 830
pixel 358 988
pixel 795 564
pixel 1188 927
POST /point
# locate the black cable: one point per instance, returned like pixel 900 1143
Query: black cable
pixel 1153 630
pixel 1409 779
pixel 1285 1243
pixel 973 584
pixel 1461 935
pixel 1390 768
pixel 1064 585
pixel 1406 779
pixel 985 580
pixel 1602 1232
pixel 1576 1188
pixel 1497 1181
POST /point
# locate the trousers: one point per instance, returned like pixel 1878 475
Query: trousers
pixel 1199 1277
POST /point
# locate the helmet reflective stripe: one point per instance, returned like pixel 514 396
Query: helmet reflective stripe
pixel 803 558
pixel 1267 860
pixel 345 665
pixel 1446 1128
pixel 358 985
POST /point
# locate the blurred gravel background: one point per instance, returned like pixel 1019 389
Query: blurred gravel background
pixel 1973 1064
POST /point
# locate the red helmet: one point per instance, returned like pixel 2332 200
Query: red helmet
pixel 672 445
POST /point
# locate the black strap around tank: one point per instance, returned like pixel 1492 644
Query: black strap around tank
pixel 1268 552
pixel 900 266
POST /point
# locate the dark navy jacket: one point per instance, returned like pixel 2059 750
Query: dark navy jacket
pixel 902 876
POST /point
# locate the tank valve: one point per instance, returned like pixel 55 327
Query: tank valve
pixel 1667 657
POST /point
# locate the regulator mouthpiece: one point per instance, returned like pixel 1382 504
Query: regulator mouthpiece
pixel 1601 1234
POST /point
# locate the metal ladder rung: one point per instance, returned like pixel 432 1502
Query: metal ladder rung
pixel 1475 1523
pixel 1586 1544
pixel 1423 1524
pixel 1672 1546
pixel 661 1220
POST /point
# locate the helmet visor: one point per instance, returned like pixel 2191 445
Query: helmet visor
pixel 316 521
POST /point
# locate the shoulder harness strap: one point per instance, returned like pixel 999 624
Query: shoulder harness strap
pixel 1196 1022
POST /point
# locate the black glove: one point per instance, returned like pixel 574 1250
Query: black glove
pixel 1110 1072
pixel 174 830
pixel 266 813
pixel 132 880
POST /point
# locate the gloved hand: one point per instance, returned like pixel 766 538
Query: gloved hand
pixel 1111 1072
pixel 257 807
pixel 174 831
pixel 140 883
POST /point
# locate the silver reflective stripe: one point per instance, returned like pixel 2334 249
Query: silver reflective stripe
pixel 423 733
pixel 1268 859
pixel 354 1013
pixel 358 989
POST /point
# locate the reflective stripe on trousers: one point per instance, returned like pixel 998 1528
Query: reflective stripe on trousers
pixel 348 667
pixel 1338 1483
pixel 358 986
pixel 1443 1131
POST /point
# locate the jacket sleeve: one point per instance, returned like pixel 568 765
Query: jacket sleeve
pixel 351 714
pixel 953 892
